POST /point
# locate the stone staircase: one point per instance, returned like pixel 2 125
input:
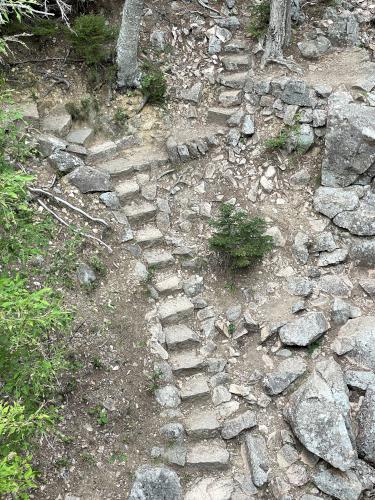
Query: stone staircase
pixel 192 391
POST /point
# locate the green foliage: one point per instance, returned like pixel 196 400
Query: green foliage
pixel 277 142
pixel 16 429
pixel 31 323
pixel 153 84
pixel 259 19
pixel 22 234
pixel 101 415
pixel 239 239
pixel 154 381
pixel 98 265
pixel 231 328
pixel 90 37
pixel 13 145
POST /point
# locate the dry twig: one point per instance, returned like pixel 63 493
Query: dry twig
pixel 61 201
pixel 66 224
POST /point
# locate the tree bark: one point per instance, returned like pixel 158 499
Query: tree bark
pixel 279 31
pixel 127 44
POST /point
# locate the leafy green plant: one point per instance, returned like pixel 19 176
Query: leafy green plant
pixel 100 413
pixel 13 146
pixel 16 428
pixel 153 84
pixel 259 19
pixel 239 239
pixel 31 323
pixel 90 37
pixel 231 328
pixel 98 265
pixel 154 381
pixel 118 457
pixel 22 233
pixel 279 141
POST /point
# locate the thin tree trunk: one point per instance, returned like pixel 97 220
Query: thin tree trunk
pixel 127 44
pixel 279 31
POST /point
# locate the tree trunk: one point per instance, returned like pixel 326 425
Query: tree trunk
pixel 279 31
pixel 127 44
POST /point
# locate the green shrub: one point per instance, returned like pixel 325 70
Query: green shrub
pixel 279 141
pixel 22 232
pixel 31 326
pixel 13 145
pixel 90 37
pixel 153 84
pixel 16 429
pixel 260 16
pixel 238 239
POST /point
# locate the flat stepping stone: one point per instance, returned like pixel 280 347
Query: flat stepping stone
pixel 168 285
pixel 136 159
pixel 235 46
pixel 236 62
pixel 140 212
pixel 194 387
pixel 148 236
pixel 238 424
pixel 102 151
pixel 116 167
pixel 175 310
pixel 127 190
pixel 233 80
pixel 220 116
pixel 210 455
pixel 80 136
pixel 214 488
pixel 180 336
pixel 158 258
pixel 230 98
pixel 202 425
pixel 58 124
pixel 186 361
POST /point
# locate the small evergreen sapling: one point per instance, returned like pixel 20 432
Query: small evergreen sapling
pixel 239 239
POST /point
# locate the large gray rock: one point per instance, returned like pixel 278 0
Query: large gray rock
pixel 64 162
pixel 350 145
pixel 366 427
pixel 333 201
pixel 360 222
pixel 304 330
pixel 363 251
pixel 286 373
pixel 297 92
pixel 319 414
pixel 155 483
pixel 341 485
pixel 238 424
pixel 312 49
pixel 257 455
pixel 343 28
pixel 90 180
pixel 356 339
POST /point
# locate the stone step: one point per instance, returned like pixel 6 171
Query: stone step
pixel 220 116
pixel 139 212
pixel 235 46
pixel 230 98
pixel 127 190
pixel 180 336
pixel 168 285
pixel 233 80
pixel 175 310
pixel 211 455
pixel 158 258
pixel 194 387
pixel 149 236
pixel 135 160
pixel 236 62
pixel 202 424
pixel 80 136
pixel 186 362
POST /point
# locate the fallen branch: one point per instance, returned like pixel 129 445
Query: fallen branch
pixel 66 224
pixel 36 61
pixel 58 79
pixel 202 4
pixel 61 201
pixel 166 173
